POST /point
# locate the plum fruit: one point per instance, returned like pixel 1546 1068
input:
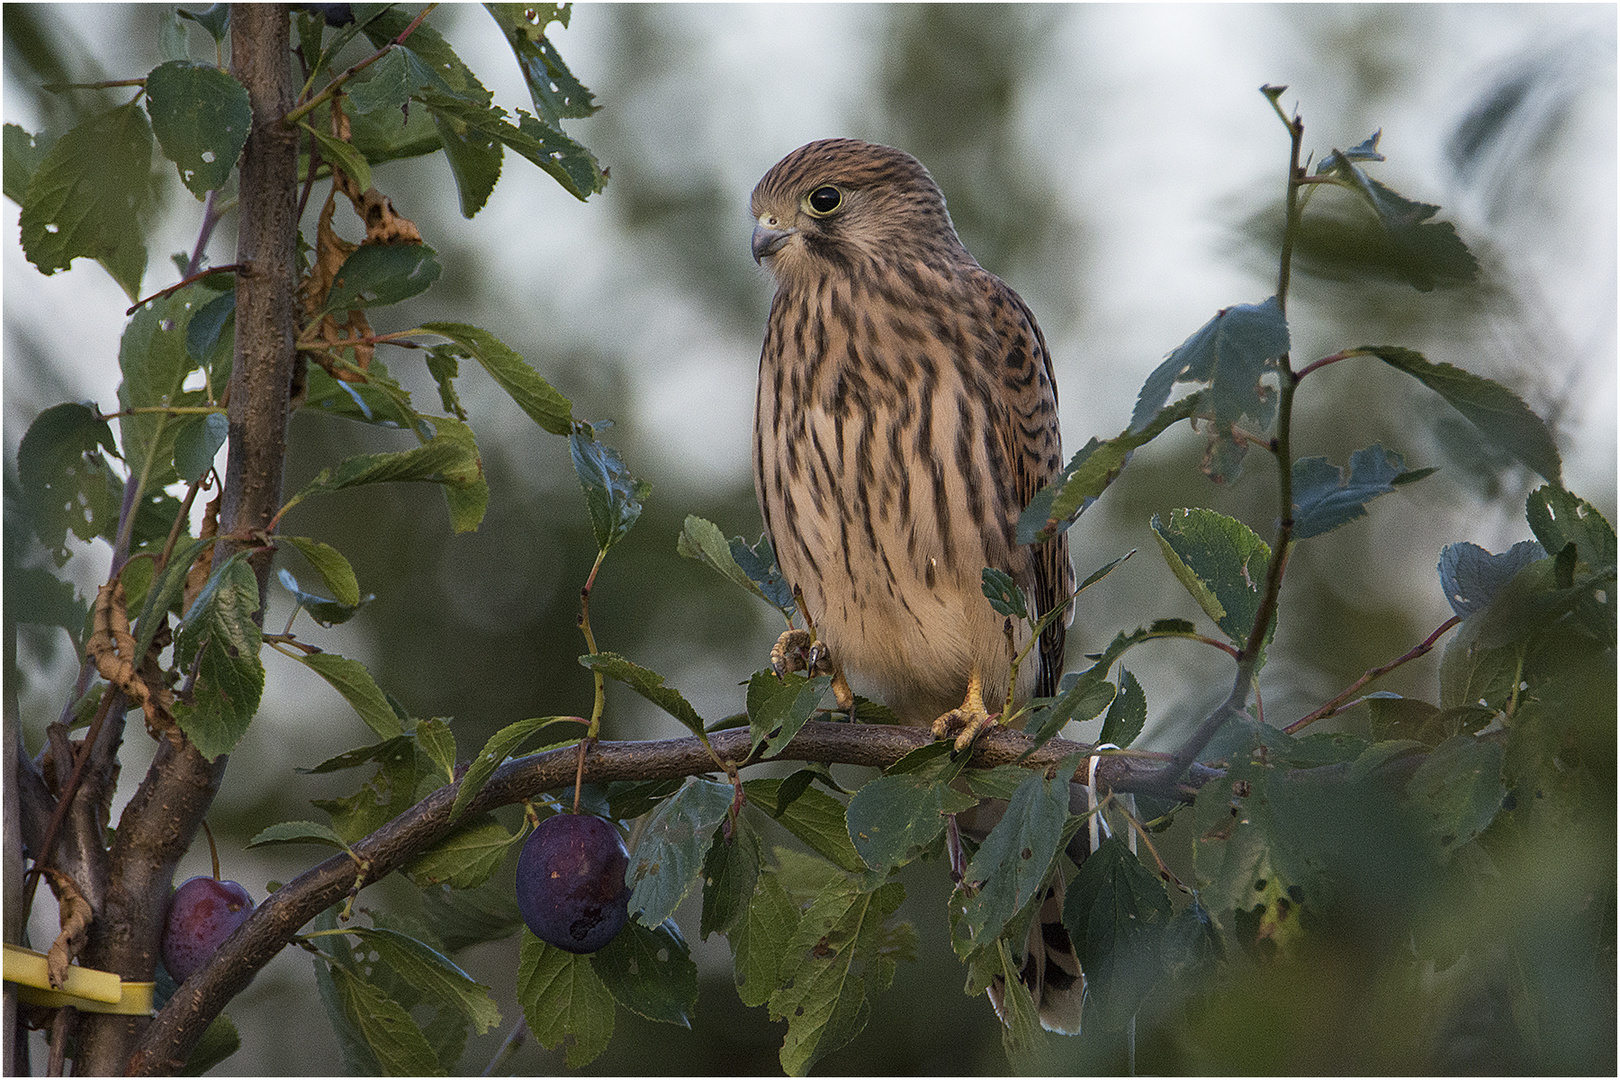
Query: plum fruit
pixel 202 914
pixel 570 882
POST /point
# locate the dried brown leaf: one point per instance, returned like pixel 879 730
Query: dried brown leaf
pixel 76 918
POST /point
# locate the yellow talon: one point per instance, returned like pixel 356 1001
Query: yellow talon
pixel 967 720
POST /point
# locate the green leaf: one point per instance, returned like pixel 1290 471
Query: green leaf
pixel 1230 352
pixel 1081 696
pixel 1411 247
pixel 649 684
pixel 387 793
pixel 324 611
pixel 893 818
pixel 759 940
pixel 730 872
pixel 66 483
pixel 1326 497
pixel 196 442
pixel 753 568
pixel 386 1028
pixel 450 458
pixel 650 972
pixel 215 18
pixel 166 591
pixel 484 129
pixel 1472 577
pixel 220 641
pixel 1458 789
pixel 1004 596
pixel 298 832
pixel 1014 859
pixel 502 745
pixel 341 154
pixel 1126 713
pixel 556 94
pixel 464 859
pixel 840 957
pixel 1501 417
pixel 220 1040
pixel 351 679
pixel 521 382
pixel 393 79
pixel 669 859
pixel 778 708
pixel 612 495
pixel 200 116
pixel 1558 517
pixel 1087 475
pixel 813 816
pixel 1221 562
pixel 206 327
pixel 1116 910
pixel 432 973
pixel 88 195
pixel 438 742
pixel 23 154
pixel 564 999
pixel 329 562
pixel 377 275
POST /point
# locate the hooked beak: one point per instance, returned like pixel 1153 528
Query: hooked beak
pixel 768 241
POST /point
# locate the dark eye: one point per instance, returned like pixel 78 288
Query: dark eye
pixel 824 200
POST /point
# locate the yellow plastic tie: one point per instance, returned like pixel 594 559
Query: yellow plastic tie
pixel 86 989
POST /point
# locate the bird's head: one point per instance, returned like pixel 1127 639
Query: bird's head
pixel 836 204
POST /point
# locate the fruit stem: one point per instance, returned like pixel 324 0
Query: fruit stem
pixel 213 849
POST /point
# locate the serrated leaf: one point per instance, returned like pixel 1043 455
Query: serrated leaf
pixel 201 117
pixel 393 79
pixel 1097 464
pixel 166 590
pixel 780 707
pixel 754 568
pixel 1221 562
pixel 1004 596
pixel 730 871
pixel 1419 251
pixel 196 442
pixel 438 742
pixel 612 496
pixel 1501 417
pixel 564 1000
pixel 450 458
pixel 893 818
pixel 759 940
pixel 1326 496
pixel 533 394
pixel 1014 859
pixel 568 162
pixel 88 195
pixel 649 684
pixel 840 957
pixel 377 275
pixel 220 641
pixel 466 857
pixel 1081 696
pixel 298 832
pixel 669 859
pixel 329 562
pixel 1230 352
pixel 387 1029
pixel 1126 713
pixel 324 611
pixel 432 973
pixel 1116 910
pixel 1458 790
pixel 500 746
pixel 1558 517
pixel 351 679
pixel 23 154
pixel 650 972
pixel 341 154
pixel 66 482
pixel 1472 576
pixel 556 94
pixel 812 815
pixel 387 793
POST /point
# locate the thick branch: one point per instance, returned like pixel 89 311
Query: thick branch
pixel 176 1029
pixel 161 820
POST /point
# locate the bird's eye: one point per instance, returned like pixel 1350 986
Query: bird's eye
pixel 824 200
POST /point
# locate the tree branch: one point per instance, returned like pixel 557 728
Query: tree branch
pixel 175 1030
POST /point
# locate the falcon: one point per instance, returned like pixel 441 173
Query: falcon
pixel 906 414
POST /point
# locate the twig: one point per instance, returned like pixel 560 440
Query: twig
pixel 1333 707
pixel 228 268
pixel 337 83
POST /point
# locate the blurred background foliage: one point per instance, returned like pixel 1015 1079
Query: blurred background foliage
pixel 1117 167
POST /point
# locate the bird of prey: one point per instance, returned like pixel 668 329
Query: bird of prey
pixel 906 414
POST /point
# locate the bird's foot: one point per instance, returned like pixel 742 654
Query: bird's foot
pixel 966 721
pixel 796 650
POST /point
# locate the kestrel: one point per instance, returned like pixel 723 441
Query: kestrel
pixel 906 415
